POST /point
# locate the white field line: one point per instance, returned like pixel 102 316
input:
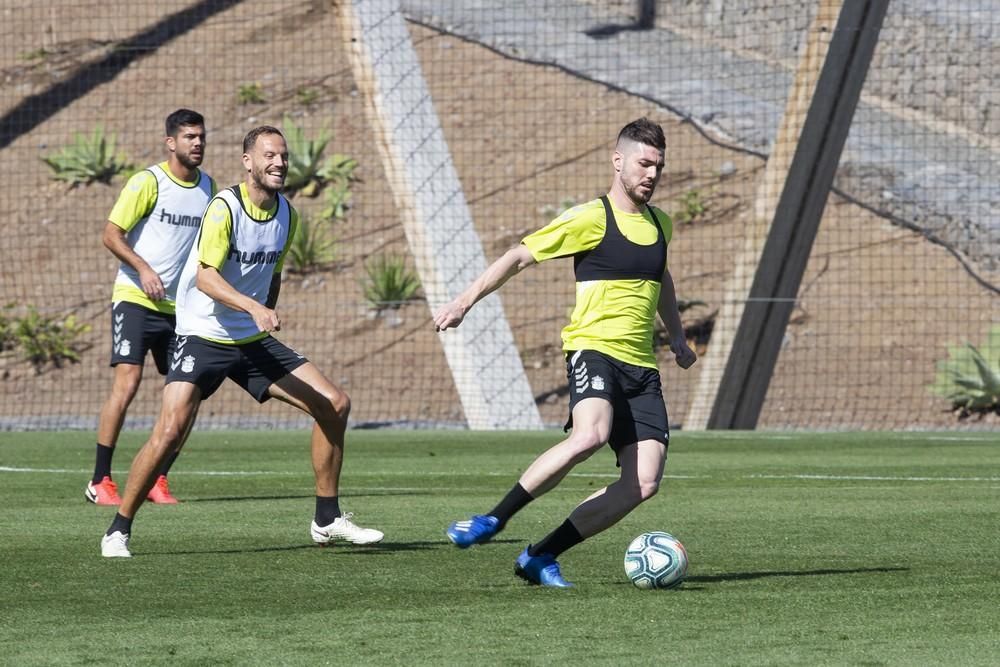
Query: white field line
pixel 875 478
pixel 271 473
pixel 895 436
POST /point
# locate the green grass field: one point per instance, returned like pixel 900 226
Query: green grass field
pixel 840 549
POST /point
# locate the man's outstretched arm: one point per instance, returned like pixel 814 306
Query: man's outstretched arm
pixel 499 272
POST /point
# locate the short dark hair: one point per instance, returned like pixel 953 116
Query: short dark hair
pixel 251 138
pixel 644 131
pixel 183 117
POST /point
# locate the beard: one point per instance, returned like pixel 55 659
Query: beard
pixel 189 161
pixel 639 196
pixel 259 177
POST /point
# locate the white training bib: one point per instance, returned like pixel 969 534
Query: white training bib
pixel 165 236
pixel 255 246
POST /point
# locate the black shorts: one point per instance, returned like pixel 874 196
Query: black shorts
pixel 254 366
pixel 634 392
pixel 136 330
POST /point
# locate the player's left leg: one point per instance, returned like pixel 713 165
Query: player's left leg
pixel 308 389
pixel 160 493
pixel 641 472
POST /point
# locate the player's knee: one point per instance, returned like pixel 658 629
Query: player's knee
pixel 590 439
pixel 335 406
pixel 167 437
pixel 342 404
pixel 585 442
pixel 125 387
pixel 648 488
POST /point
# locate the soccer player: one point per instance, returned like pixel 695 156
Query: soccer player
pixel 151 230
pixel 619 247
pixel 225 317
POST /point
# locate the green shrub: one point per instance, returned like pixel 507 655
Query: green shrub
pixel 250 93
pixel 46 339
pixel 305 159
pixel 692 206
pixel 40 53
pixel 308 171
pixel 306 96
pixel 88 159
pixel 337 197
pixel 339 170
pixel 970 377
pixel 388 283
pixel 7 338
pixel 312 246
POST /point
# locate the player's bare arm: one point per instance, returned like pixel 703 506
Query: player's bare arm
pixel 499 272
pixel 211 282
pixel 667 308
pixel 115 240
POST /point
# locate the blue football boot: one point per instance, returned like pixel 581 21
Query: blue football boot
pixel 541 569
pixel 480 528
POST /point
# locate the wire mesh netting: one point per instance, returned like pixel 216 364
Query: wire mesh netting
pixel 454 129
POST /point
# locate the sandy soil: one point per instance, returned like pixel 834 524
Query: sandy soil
pixel 878 303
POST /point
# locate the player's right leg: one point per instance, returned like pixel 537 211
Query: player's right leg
pixel 591 426
pixel 128 353
pixel 101 489
pixel 305 387
pixel 163 346
pixel 180 405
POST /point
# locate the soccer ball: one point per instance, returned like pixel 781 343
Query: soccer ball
pixel 656 560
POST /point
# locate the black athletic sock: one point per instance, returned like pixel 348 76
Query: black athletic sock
pixel 102 464
pixel 120 524
pixel 558 541
pixel 169 462
pixel 511 504
pixel 327 509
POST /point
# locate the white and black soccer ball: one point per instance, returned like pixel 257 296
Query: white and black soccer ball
pixel 656 560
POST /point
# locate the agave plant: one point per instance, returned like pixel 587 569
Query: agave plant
pixel 970 377
pixel 88 159
pixel 308 170
pixel 305 159
pixel 388 283
pixel 312 247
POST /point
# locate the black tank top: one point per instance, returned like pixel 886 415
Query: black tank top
pixel 617 258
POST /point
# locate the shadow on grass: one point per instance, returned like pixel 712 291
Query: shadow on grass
pixel 380 549
pixel 301 496
pixel 747 576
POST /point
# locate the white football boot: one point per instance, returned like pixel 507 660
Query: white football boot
pixel 343 528
pixel 115 545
